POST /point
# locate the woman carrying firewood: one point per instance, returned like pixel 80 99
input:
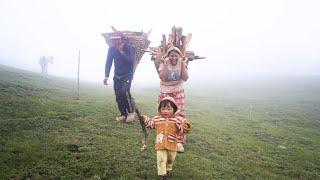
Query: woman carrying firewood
pixel 173 73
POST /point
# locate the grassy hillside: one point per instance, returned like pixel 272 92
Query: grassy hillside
pixel 245 131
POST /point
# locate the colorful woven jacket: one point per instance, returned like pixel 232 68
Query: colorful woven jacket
pixel 167 130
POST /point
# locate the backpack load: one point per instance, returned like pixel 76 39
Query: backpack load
pixel 138 40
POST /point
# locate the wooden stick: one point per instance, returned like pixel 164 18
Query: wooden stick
pixel 186 44
pixel 170 40
pixel 78 80
pixel 178 37
pixel 164 44
pixel 143 126
pixel 173 33
pixel 114 29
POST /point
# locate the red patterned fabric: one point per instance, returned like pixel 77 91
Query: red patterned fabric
pixel 179 98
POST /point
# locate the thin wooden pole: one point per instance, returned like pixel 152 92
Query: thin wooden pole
pixel 78 88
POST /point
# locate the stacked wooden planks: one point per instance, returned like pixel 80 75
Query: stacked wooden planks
pixel 177 39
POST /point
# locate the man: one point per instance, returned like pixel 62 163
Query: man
pixel 122 53
pixel 43 61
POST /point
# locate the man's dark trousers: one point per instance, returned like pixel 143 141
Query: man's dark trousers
pixel 122 87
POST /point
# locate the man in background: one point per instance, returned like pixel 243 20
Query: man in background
pixel 44 61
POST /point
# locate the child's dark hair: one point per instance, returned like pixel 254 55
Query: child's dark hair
pixel 165 102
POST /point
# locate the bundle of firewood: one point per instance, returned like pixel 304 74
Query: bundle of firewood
pixel 139 41
pixel 177 39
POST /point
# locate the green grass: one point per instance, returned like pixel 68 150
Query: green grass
pixel 249 131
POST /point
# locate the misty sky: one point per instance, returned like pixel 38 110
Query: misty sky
pixel 239 38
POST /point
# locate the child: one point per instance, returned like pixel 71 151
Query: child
pixel 173 73
pixel 168 124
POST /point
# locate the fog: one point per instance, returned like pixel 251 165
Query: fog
pixel 240 39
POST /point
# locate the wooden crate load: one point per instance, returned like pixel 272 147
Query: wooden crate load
pixel 177 39
pixel 139 41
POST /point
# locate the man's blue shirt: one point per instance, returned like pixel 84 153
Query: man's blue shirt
pixel 123 63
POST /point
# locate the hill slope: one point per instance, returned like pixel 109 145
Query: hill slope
pixel 266 133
